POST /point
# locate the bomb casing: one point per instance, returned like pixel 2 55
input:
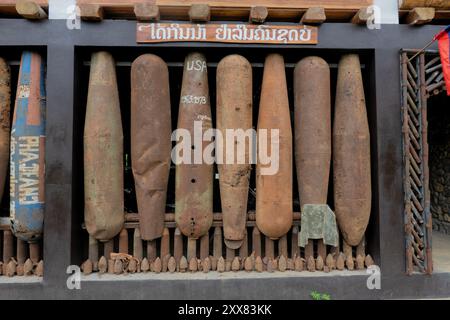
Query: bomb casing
pixel 150 141
pixel 194 180
pixel 27 156
pixel 351 152
pixel 103 151
pixel 234 111
pixel 274 213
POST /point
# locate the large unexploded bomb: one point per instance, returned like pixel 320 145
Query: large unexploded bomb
pixel 274 189
pixel 351 152
pixel 103 151
pixel 194 180
pixel 234 112
pixel 150 141
pixel 27 155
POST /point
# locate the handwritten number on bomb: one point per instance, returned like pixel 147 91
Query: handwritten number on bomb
pixel 190 99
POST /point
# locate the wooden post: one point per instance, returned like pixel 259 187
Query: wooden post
pixel 362 16
pixel 204 246
pixel 151 251
pixel 165 243
pixel 178 246
pixel 108 248
pixel 283 246
pixel 270 247
pixel 146 12
pixel 418 16
pixel 294 242
pixel 191 249
pixel 8 246
pixel 258 14
pixel 199 13
pixel 34 252
pixel 314 15
pixel 256 241
pixel 93 252
pixel 217 252
pixel 91 12
pixel 123 241
pixel 243 250
pixel 30 10
pixel 137 245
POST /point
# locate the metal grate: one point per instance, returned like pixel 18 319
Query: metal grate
pixel 417 216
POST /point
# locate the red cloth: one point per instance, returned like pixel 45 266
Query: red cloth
pixel 443 38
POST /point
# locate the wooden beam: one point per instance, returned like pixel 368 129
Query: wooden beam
pixel 258 14
pixel 411 4
pixel 91 12
pixel 418 16
pixel 200 13
pixel 362 16
pixel 314 15
pixel 146 12
pixel 30 10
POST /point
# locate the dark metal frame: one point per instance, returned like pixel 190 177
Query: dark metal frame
pixel 61 243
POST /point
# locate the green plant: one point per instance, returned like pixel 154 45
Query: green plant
pixel 320 296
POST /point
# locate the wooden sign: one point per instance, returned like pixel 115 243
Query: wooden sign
pixel 228 33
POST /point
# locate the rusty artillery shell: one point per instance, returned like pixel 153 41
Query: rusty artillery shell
pixel 330 262
pixel 133 266
pixel 118 266
pixel 102 265
pixel 87 267
pixel 172 265
pixel 193 265
pixel 259 264
pixel 234 112
pixel 5 105
pixel 319 263
pixel 21 251
pixel 243 250
pixel 28 150
pixel 248 264
pixel 145 266
pixel 221 265
pixel 10 269
pixel 351 152
pixel 157 265
pixel 283 246
pixel 312 129
pixel 235 264
pixel 150 141
pixel 183 264
pixel 28 267
pixel 103 151
pixel 206 265
pixel 368 261
pixel 298 264
pixel 282 264
pixel 340 261
pixel 274 180
pixel 194 180
pixel 311 264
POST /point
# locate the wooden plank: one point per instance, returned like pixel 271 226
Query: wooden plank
pixel 91 12
pixel 258 14
pixel 418 16
pixel 199 12
pixel 146 12
pixel 411 4
pixel 362 16
pixel 287 10
pixel 30 10
pixel 226 33
pixel 314 15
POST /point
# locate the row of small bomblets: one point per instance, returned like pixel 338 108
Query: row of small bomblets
pixel 315 143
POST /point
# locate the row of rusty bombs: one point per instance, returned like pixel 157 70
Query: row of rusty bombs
pixel 121 263
pixel 315 143
pixel 22 150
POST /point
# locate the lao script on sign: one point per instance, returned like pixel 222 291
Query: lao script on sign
pixel 229 33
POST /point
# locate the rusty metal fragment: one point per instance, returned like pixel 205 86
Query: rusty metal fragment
pixel 10 269
pixel 157 265
pixel 290 264
pixel 298 264
pixel 351 152
pixel 28 267
pixel 234 112
pixel 368 261
pixel 319 263
pixel 183 264
pixel 194 180
pixel 340 262
pixel 133 266
pixel 5 105
pixel 311 264
pixel 87 267
pixel 206 265
pixel 270 265
pixel 172 265
pixel 221 265
pixel 282 264
pixel 102 265
pixel 330 262
pixel 103 151
pixel 350 264
pixel 248 264
pixel 274 181
pixel 27 150
pixel 259 264
pixel 118 266
pixel 235 264
pixel 150 141
pixel 145 266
